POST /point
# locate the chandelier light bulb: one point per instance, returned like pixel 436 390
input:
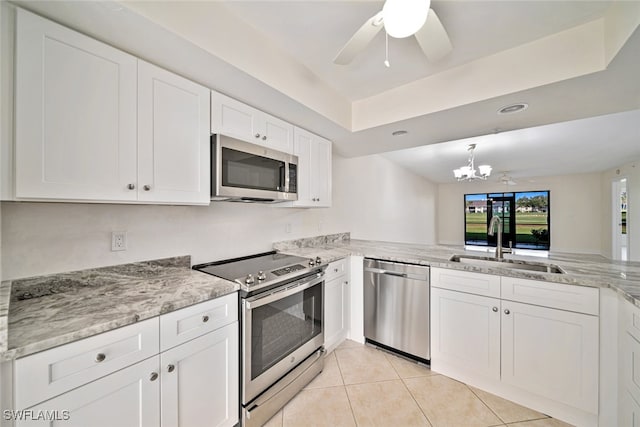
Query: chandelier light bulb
pixel 403 18
pixel 468 172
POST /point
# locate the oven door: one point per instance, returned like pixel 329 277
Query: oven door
pixel 279 331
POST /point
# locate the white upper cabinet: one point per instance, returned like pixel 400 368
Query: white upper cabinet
pixel 314 169
pixel 96 124
pixel 75 115
pixel 233 118
pixel 173 138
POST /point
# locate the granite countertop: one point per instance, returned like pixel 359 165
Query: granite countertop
pixel 44 312
pixel 580 269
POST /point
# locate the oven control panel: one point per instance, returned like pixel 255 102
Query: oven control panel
pixel 287 270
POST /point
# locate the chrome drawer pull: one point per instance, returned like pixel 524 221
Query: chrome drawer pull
pixel 154 376
pixel 100 357
pixel 205 318
pixel 171 368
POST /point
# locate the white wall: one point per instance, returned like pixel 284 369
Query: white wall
pixel 631 171
pixel 372 197
pixel 379 200
pixel 576 210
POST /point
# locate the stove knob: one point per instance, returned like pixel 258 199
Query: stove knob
pixel 312 262
pixel 249 280
pixel 318 260
pixel 261 275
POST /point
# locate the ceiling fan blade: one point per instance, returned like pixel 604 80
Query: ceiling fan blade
pixel 433 38
pixel 359 40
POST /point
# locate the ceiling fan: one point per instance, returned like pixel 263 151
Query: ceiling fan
pixel 506 179
pixel 400 19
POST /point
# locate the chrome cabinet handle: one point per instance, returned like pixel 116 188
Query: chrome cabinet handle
pixel 495 309
pixel 131 186
pixel 257 135
pixel 205 318
pixel 264 137
pixel 507 311
pixel 171 368
pixel 154 376
pixel 147 187
pixel 100 357
pixel 335 270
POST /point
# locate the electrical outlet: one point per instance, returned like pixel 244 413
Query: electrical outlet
pixel 119 241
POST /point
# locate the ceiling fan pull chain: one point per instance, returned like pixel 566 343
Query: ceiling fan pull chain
pixel 386 50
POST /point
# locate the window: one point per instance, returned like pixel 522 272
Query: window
pixel 524 215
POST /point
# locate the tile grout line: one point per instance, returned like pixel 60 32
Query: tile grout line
pixel 485 403
pixel 416 402
pixel 353 414
pixel 409 391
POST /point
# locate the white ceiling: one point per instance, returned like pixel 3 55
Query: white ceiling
pixel 277 56
pixel 315 31
pixel 578 146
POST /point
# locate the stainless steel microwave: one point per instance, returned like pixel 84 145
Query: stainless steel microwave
pixel 245 172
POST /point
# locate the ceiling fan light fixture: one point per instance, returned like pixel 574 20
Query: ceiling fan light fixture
pixel 403 18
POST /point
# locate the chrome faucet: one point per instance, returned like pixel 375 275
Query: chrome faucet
pixel 496 225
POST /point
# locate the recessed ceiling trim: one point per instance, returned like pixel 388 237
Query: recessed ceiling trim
pixel 513 108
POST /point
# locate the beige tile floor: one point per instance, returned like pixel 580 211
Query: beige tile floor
pixel 363 386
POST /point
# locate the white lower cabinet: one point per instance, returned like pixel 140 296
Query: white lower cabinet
pixel 199 381
pixel 127 398
pixel 465 331
pixel 107 380
pixel 630 411
pixel 336 304
pixel 541 357
pixel 552 353
pixel 629 365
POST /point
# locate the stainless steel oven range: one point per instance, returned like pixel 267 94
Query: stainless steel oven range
pixel 282 328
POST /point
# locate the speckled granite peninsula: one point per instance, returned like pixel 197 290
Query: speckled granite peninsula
pixel 580 269
pixel 43 312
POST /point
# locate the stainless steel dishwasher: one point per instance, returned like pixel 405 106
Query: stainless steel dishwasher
pixel 396 306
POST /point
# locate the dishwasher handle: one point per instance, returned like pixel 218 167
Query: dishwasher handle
pixel 388 272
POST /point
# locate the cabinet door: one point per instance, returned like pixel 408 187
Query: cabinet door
pixel 552 353
pixel 321 171
pixel 200 381
pixel 302 149
pixel 126 398
pixel 335 311
pixel 173 138
pixel 233 118
pixel 276 134
pixel 465 332
pixel 314 169
pixel 75 115
pixel 630 411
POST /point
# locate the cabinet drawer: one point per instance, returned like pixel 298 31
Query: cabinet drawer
pixel 191 322
pixel 580 299
pixel 464 281
pixel 336 269
pixel 52 372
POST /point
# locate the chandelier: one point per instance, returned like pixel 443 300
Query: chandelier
pixel 468 173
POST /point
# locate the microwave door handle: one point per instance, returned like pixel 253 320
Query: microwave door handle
pixel 286 177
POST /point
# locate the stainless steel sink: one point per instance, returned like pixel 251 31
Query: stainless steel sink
pixel 507 263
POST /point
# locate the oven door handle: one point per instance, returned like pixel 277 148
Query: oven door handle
pixel 288 291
